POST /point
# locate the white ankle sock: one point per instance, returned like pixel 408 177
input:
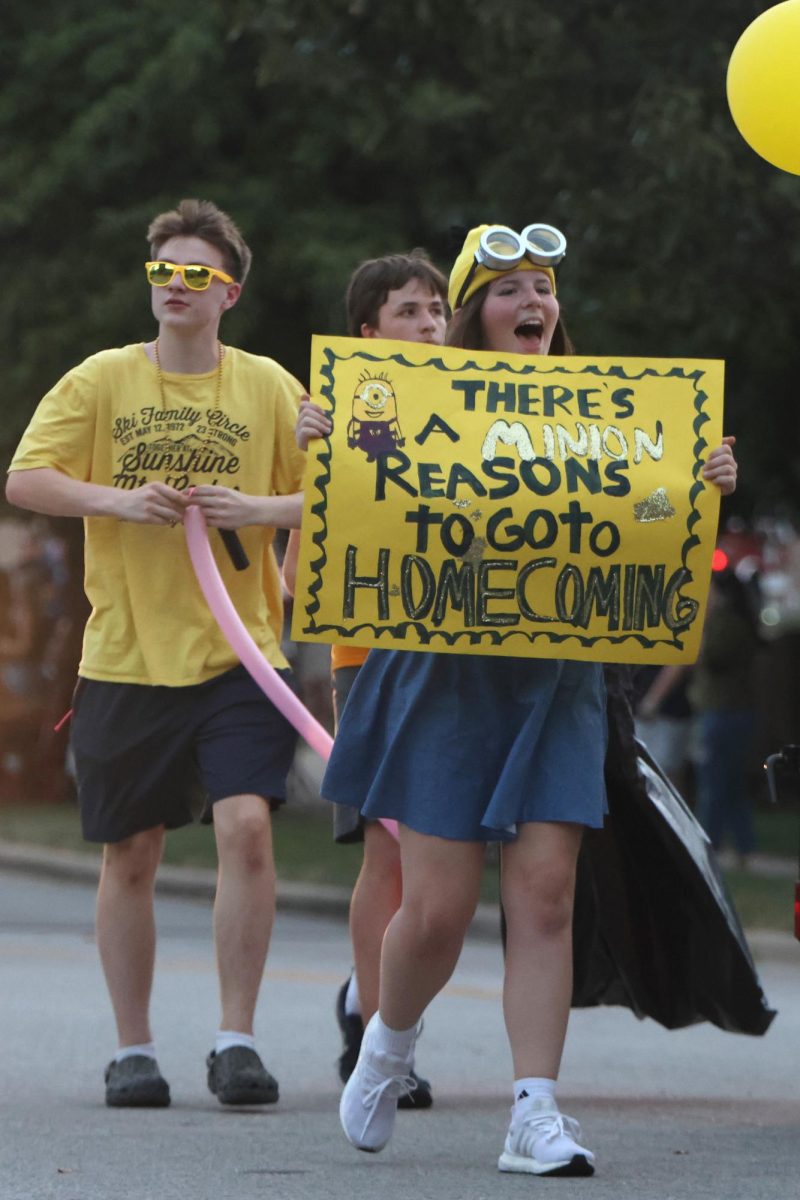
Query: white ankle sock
pixel 397 1042
pixel 531 1088
pixel 147 1049
pixel 352 1000
pixel 229 1037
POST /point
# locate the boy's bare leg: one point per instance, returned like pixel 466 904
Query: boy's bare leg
pixel 376 898
pixel 244 910
pixel 126 934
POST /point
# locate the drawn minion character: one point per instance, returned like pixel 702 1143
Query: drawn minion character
pixel 373 426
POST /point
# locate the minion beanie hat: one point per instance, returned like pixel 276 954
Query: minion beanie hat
pixel 467 270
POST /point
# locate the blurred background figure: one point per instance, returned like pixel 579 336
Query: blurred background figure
pixel 38 659
pixel 664 720
pixel 722 694
pixel 18 685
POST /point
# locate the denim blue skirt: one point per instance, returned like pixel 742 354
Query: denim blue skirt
pixel 468 747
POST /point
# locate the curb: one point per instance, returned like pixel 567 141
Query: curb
pixel 200 883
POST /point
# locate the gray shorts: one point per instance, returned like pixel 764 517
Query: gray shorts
pixel 348 824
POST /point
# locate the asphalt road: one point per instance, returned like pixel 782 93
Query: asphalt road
pixel 671 1116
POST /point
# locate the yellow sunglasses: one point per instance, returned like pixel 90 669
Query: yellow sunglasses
pixel 195 276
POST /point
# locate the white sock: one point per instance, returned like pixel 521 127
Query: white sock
pixel 147 1049
pixel 352 1000
pixel 397 1042
pixel 530 1089
pixel 229 1037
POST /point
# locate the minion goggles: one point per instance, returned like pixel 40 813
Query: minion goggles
pixel 501 249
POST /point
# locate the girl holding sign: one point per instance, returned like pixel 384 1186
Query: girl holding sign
pixel 462 750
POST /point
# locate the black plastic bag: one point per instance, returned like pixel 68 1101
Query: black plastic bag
pixel 654 928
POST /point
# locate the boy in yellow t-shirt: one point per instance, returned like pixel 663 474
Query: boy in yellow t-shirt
pixel 163 711
pixel 400 296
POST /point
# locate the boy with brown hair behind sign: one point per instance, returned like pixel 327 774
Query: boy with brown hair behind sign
pixel 400 296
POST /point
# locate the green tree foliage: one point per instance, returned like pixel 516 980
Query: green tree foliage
pixel 337 129
pixel 108 114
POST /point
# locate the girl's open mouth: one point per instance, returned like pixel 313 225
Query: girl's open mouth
pixel 529 329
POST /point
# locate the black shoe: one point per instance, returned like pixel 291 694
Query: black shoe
pixel 352 1028
pixel 238 1076
pixel 421 1096
pixel 136 1082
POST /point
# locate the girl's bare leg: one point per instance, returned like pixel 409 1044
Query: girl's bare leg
pixel 538 888
pixel 441 882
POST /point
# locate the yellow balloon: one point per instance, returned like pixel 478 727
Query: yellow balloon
pixel 764 85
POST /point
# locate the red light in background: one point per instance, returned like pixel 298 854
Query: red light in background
pixel 719 560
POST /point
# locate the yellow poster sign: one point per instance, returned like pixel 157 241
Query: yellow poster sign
pixel 517 505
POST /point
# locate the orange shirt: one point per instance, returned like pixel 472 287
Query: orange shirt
pixel 347 656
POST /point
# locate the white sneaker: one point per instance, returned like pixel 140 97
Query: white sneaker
pixel 368 1106
pixel 540 1141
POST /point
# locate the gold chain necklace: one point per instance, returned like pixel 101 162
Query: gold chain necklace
pixel 218 388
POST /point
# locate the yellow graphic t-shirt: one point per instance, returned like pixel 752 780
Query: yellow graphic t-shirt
pixel 105 422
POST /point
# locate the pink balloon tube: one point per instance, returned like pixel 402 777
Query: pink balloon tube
pixel 243 646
